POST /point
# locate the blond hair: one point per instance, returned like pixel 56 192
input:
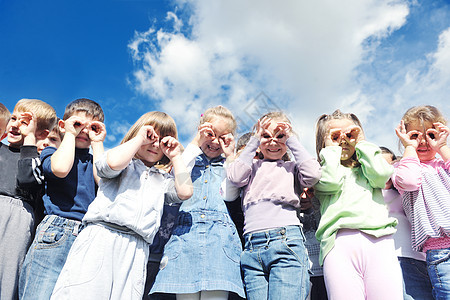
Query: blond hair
pixel 422 114
pixel 89 107
pixel 4 113
pixel 45 114
pixel 163 124
pixel 221 112
pixel 322 130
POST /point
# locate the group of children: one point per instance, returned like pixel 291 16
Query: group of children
pixel 77 223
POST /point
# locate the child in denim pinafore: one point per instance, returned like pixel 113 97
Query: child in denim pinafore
pixel 201 259
pixel 274 262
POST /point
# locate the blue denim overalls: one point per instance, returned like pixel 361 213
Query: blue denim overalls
pixel 204 250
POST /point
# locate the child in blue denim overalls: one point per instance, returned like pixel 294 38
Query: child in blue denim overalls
pixel 274 262
pixel 201 259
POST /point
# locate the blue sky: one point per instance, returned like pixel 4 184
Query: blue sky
pixel 373 58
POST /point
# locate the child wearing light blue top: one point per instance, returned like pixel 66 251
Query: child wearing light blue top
pixel 108 258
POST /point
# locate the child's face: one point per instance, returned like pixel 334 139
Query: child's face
pixel 52 140
pixel 3 123
pixel 273 145
pixel 150 153
pixel 15 137
pixel 424 151
pixel 347 149
pixel 82 140
pixel 221 128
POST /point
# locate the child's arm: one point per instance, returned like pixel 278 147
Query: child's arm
pixel 97 134
pixel 437 139
pixel 29 174
pixel 332 177
pixel 308 170
pixel 63 158
pixel 28 128
pixel 239 171
pixel 407 140
pixel 183 184
pixel 373 165
pixel 119 157
pixel 407 174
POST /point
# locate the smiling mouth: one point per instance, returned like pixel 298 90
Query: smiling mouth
pixel 212 148
pixel 273 150
pixel 13 133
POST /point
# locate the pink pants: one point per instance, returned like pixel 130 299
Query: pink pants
pixel 361 266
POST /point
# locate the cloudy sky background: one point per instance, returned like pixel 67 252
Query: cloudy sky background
pixel 373 58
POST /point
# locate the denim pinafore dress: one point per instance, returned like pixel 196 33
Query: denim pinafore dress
pixel 203 253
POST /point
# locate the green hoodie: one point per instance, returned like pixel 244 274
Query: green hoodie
pixel 351 197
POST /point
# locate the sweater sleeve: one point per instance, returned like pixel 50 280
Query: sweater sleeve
pixel 104 170
pixel 189 155
pixel 373 165
pixel 239 171
pixel 332 172
pixel 30 174
pixel 307 167
pixel 407 175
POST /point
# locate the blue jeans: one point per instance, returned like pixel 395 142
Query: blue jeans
pixel 275 264
pixel 439 271
pixel 46 256
pixel 416 281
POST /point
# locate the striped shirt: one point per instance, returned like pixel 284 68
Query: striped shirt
pixel 425 190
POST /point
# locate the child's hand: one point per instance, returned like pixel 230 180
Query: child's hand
pixel 148 135
pixel 262 126
pixel 227 144
pixel 74 125
pixel 282 132
pixel 411 138
pixel 170 146
pixel 27 124
pixel 333 137
pixel 205 133
pixel 437 138
pixel 97 131
pixel 353 135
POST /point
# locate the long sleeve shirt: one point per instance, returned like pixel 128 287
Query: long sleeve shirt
pixel 133 197
pixel 351 197
pixel 271 187
pixel 425 190
pixel 21 173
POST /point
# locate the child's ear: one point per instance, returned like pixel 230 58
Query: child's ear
pixel 61 125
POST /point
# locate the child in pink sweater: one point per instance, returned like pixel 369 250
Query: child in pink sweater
pixel 424 183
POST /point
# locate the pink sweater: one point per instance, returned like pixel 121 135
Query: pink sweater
pixel 271 188
pixel 425 190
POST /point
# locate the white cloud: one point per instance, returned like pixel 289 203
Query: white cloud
pixel 303 54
